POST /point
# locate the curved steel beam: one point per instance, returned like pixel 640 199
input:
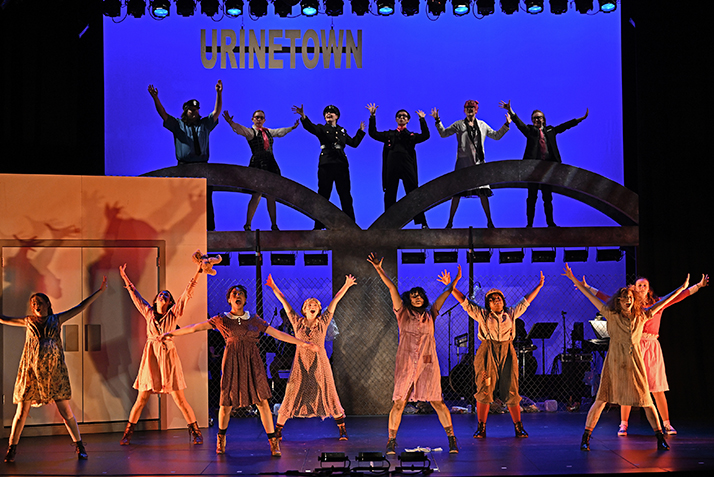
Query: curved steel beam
pixel 601 193
pixel 229 177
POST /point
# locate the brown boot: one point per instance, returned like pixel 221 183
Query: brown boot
pixel 194 433
pixel 221 444
pixel 343 432
pixel 274 446
pixel 128 432
pixel 11 451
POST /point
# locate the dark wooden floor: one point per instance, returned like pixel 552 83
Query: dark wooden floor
pixel 552 448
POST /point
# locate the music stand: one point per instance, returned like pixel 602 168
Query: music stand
pixel 542 331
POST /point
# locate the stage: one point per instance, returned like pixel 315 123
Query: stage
pixel 552 448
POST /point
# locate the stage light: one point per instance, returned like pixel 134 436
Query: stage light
pixel 583 6
pixel 461 7
pixel 558 6
pixel 410 7
pixel 376 461
pixel 413 257
pixel 485 7
pixel 111 8
pixel 315 259
pixel 309 7
pixel 608 6
pixel 575 255
pixel 479 256
pixel 609 255
pixel 509 7
pixel 160 9
pixel 534 6
pixel 209 7
pixel 225 260
pixel 284 8
pixel 359 7
pixel 385 7
pixel 233 8
pixel 514 256
pixel 436 7
pixel 282 259
pixel 539 256
pixel 185 8
pixel 334 8
pixel 247 259
pixel 413 458
pixel 332 458
pixel 258 8
pixel 446 257
pixel 136 8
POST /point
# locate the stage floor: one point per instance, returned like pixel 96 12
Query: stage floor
pixel 552 448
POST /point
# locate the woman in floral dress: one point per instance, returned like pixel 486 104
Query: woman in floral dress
pixel 42 376
pixel 311 391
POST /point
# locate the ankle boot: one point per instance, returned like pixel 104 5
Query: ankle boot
pixel 520 432
pixel 585 441
pixel 274 446
pixel 279 432
pixel 11 451
pixel 81 451
pixel 128 432
pixel 343 432
pixel 661 443
pixel 481 431
pixel 194 433
pixel 221 444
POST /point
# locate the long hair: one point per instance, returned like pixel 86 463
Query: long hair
pixel 613 303
pixel 172 302
pixel 46 299
pixel 651 298
pixel 406 300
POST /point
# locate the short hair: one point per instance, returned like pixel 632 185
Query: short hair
pixel 305 303
pixel 409 116
pixel 494 291
pixel 259 111
pixel 538 111
pixel 234 287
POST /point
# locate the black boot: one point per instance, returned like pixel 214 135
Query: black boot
pixel 11 451
pixel 585 441
pixel 392 446
pixel 530 211
pixel 548 208
pixel 481 431
pixel 661 443
pixel 520 432
pixel 81 451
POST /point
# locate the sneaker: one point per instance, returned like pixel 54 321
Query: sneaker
pixel 668 429
pixel 391 446
pixel 622 431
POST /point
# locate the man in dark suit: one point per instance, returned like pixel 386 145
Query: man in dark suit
pixel 399 156
pixel 541 145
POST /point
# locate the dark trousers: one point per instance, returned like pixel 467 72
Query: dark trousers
pixel 547 194
pixel 398 168
pixel 339 175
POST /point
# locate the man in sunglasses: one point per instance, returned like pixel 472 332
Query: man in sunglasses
pixel 399 156
pixel 540 145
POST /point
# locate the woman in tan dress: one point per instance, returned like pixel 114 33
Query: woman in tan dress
pixel 417 376
pixel 624 379
pixel 311 391
pixel 160 369
pixel 42 376
pixel 243 380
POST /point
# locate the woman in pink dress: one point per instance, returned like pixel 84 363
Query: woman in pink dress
pixel 417 376
pixel 160 369
pixel 311 391
pixel 243 380
pixel 623 379
pixel 652 351
pixel 42 376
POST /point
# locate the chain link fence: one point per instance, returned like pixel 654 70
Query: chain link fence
pixel 559 356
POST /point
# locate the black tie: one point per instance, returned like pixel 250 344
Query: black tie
pixel 196 144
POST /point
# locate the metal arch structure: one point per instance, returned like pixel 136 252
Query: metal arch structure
pixel 601 193
pixel 229 177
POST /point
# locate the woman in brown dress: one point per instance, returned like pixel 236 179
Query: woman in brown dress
pixel 311 391
pixel 160 371
pixel 42 376
pixel 417 376
pixel 243 381
pixel 624 379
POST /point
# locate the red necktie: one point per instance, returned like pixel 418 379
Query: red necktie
pixel 401 128
pixel 541 145
pixel 266 142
